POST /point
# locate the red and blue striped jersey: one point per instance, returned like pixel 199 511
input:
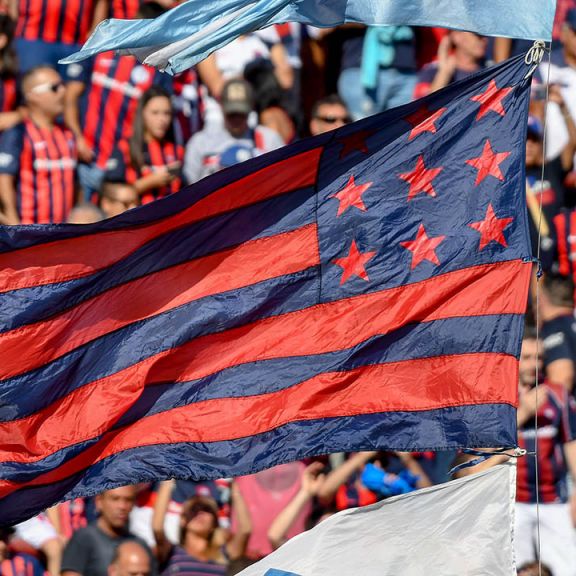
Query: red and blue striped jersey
pixel 72 516
pixel 8 94
pixel 156 155
pixel 556 427
pixel 124 8
pixel 21 565
pixel 43 160
pixel 188 105
pixel 115 86
pixel 62 21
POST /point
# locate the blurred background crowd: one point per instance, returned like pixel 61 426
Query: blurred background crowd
pixel 88 141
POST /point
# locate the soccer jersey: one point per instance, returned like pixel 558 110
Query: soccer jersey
pixel 116 84
pixel 183 564
pixel 124 8
pixel 21 565
pixel 72 516
pixel 157 154
pixel 62 21
pixel 8 94
pixel 43 161
pixel 556 426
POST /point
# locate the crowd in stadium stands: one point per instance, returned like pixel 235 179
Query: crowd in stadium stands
pixel 88 141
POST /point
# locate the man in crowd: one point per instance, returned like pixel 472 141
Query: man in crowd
pixel 556 453
pixel 38 157
pixel 558 329
pixel 117 197
pixel 204 151
pixel 459 55
pixel 91 550
pixel 130 559
pixel 328 114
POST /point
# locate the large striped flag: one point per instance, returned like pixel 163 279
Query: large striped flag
pixel 190 32
pixel 361 289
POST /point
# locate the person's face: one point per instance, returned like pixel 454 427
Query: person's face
pixel 529 362
pixel 157 116
pixel 236 124
pixel 115 506
pixel 568 38
pixel 533 151
pixel 328 117
pixel 118 198
pixel 45 92
pixel 200 519
pixel 470 44
pixel 131 563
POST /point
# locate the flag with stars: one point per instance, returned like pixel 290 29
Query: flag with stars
pixel 363 289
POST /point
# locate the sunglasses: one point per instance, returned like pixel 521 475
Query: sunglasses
pixel 334 119
pixel 47 87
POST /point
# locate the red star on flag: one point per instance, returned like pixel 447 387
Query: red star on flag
pixel 351 195
pixel 488 164
pixel 423 120
pixel 491 228
pixel 491 100
pixel 354 264
pixel 421 178
pixel 354 141
pixel 422 247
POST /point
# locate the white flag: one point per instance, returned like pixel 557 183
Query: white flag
pixel 461 528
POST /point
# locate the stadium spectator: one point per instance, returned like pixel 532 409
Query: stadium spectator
pixel 10 111
pixel 203 152
pixel 48 30
pixel 328 114
pixel 533 569
pixel 556 304
pixel 101 102
pixel 38 157
pixel 150 160
pixel 130 559
pixel 459 55
pixel 203 548
pixel 117 197
pixel 350 79
pixel 16 564
pixel 91 549
pixel 312 480
pixel 556 453
pixel 388 67
pixel 561 73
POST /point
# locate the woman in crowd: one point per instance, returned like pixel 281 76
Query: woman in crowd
pixel 203 547
pixel 151 160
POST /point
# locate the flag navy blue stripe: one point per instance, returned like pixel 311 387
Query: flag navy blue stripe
pixel 268 218
pixel 148 337
pixel 495 333
pixel 448 428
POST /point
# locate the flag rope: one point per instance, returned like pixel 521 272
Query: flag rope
pixel 533 58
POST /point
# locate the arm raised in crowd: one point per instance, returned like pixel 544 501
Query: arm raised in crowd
pixel 312 481
pixel 74 91
pixel 567 156
pixel 163 545
pixel 236 546
pixel 210 75
pixel 341 474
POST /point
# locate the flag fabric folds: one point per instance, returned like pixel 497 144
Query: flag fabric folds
pixel 362 289
pixel 190 32
pixel 462 527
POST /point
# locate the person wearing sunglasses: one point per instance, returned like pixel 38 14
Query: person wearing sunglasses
pixel 327 114
pixel 38 157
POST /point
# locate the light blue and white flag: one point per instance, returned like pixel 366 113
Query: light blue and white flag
pixel 461 527
pixel 190 32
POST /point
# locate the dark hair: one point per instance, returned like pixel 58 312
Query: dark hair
pixel 331 100
pixel 533 567
pixel 136 142
pixel 8 61
pixel 559 289
pixel 529 332
pixel 33 71
pixel 194 505
pixel 150 10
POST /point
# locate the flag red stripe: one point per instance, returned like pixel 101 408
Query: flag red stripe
pixel 33 345
pixel 89 411
pixel 411 385
pixel 76 257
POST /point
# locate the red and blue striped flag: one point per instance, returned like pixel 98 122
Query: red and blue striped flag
pixel 361 289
